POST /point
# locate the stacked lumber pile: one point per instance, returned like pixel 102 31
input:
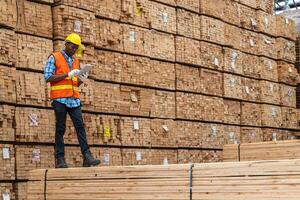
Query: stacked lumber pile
pixel 274 150
pixel 173 80
pixel 236 180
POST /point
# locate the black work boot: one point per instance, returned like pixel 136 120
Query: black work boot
pixel 61 163
pixel 89 160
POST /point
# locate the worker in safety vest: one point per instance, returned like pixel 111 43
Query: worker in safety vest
pixel 61 70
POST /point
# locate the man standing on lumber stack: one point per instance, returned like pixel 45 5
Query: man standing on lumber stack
pixel 63 72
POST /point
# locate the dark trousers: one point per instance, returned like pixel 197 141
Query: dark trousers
pixel 61 111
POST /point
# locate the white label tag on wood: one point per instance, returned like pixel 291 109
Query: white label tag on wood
pixel 274 137
pixel 251 42
pixel 138 155
pixel 106 159
pixel 5 151
pixel 136 125
pixel 165 162
pixel 286 20
pixel 247 90
pixel 290 70
pixel 231 136
pixel 133 97
pixel 77 26
pixel 33 119
pixel 274 111
pixel 131 36
pixel 36 155
pixel 166 129
pixel 216 61
pixel 5 196
pixel 271 87
pixel 165 17
pixel 232 82
pixel 270 66
pixel 213 131
pixel 290 92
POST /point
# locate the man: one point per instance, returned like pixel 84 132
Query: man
pixel 62 71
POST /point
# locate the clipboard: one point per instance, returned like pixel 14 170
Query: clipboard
pixel 85 69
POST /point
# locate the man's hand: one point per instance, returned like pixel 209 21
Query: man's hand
pixel 83 77
pixel 74 72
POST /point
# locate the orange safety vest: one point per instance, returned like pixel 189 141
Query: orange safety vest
pixel 67 87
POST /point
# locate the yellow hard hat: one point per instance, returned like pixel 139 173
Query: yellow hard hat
pixel 74 38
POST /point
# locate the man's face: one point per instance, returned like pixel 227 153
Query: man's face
pixel 71 48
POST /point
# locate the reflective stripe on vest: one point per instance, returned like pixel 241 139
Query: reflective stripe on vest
pixel 63 87
pixel 67 87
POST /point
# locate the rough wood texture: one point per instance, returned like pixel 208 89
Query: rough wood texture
pixel 251 114
pixel 198 156
pixel 210 181
pixel 233 61
pixel 267 23
pixel 163 133
pixel 250 135
pixel 136 40
pixel 288 95
pixel 287 73
pixel 270 92
pixel 7 162
pixel 163 17
pixel 212 30
pixel 137 12
pixel 286 50
pixel 289 118
pixel 274 134
pixel 9 13
pixel 269 69
pixel 188 23
pixel 85 5
pixel 124 68
pixel 21 190
pixel 8 79
pixel 68 19
pixel 32 52
pixel 161 46
pixel 7 191
pixel 33 157
pixel 199 107
pixel 286 27
pixel 251 90
pixel 135 132
pixel 192 5
pixel 232 112
pixel 267 46
pixel 34 125
pixel 248 18
pixel 31 89
pixel 277 150
pixel 7 128
pixel 8 46
pixel 108 8
pixel 148 156
pixel 35 18
pixel 265 5
pixel 232 85
pixel 271 116
pixel 198 53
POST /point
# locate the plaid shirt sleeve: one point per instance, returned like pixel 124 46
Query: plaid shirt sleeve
pixel 49 69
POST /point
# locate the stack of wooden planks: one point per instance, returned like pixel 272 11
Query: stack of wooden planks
pixel 274 150
pixel 237 180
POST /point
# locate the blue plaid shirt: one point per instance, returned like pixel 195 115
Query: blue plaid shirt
pixel 49 70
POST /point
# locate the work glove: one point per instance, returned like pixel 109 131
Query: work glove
pixel 74 72
pixel 83 77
